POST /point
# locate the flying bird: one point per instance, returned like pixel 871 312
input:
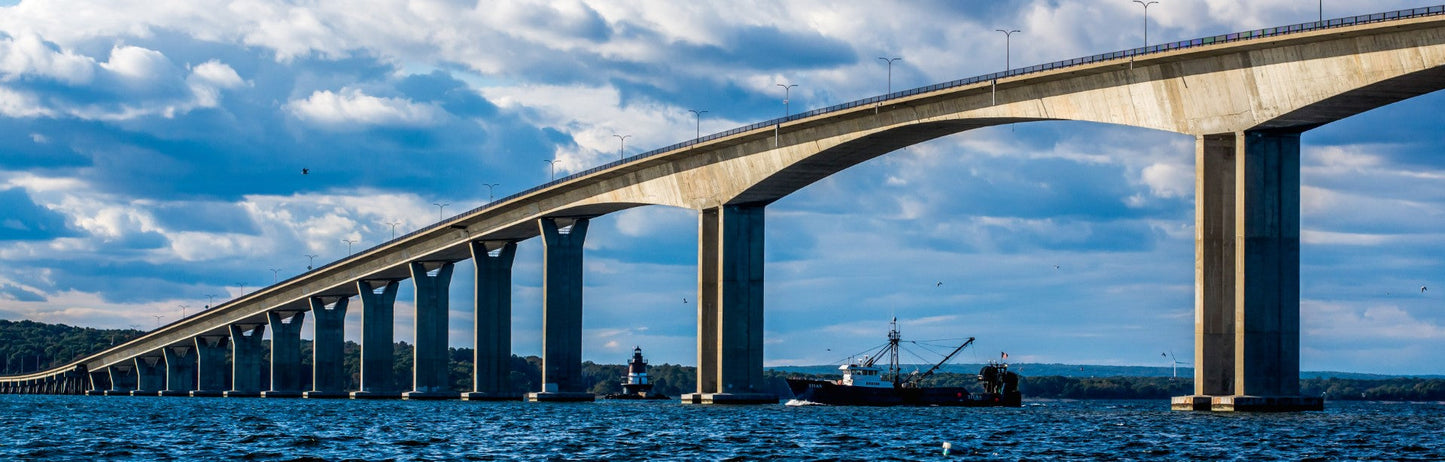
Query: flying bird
pixel 1056 267
pixel 684 299
pixel 940 284
pixel 305 171
pixel 1422 289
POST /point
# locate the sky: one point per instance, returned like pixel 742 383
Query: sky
pixel 151 156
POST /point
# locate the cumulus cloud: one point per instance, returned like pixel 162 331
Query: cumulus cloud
pixel 351 109
pixel 29 56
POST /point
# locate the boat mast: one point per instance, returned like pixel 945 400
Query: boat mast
pixel 893 338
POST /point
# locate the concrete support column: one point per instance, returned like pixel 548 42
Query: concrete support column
pixel 211 365
pixel 562 310
pixel 1247 274
pixel 180 370
pixel 150 375
pixel 492 332
pixel 377 351
pixel 430 356
pixel 730 306
pixel 328 367
pixel 98 382
pixel 285 353
pixel 247 354
pixel 122 379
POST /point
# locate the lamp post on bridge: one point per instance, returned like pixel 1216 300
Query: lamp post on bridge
pixel 275 275
pixel 183 311
pixel 621 145
pixel 158 320
pixel 310 261
pixel 348 245
pixel 489 190
pixel 889 61
pixel 1007 45
pixel 787 92
pixel 393 230
pixel 210 300
pixel 1146 19
pixel 552 163
pixel 698 114
pixel 440 207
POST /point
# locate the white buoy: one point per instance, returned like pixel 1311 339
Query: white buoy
pixel 946 447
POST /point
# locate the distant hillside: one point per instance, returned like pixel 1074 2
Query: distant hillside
pixel 1088 370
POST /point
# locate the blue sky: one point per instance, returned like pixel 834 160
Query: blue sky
pixel 150 157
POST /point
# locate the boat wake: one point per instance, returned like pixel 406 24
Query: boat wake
pixel 799 402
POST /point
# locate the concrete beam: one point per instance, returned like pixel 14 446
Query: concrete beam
pixel 180 370
pixel 562 310
pixel 211 365
pixel 1214 213
pixel 285 354
pixel 150 375
pixel 328 361
pixel 430 356
pixel 730 306
pixel 1247 274
pixel 247 354
pixel 377 355
pixel 492 331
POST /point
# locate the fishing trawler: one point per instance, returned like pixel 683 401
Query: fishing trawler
pixel 866 384
pixel 638 385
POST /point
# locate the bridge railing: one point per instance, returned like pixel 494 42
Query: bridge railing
pixel 1133 52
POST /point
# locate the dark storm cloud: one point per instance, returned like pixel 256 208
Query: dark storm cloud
pixel 24 220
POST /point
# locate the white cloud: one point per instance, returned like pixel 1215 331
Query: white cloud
pixel 139 65
pixel 1169 180
pixel 27 55
pixel 352 108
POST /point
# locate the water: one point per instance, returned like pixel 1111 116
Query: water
pixel 145 428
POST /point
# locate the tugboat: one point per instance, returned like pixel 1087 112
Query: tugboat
pixel 865 384
pixel 637 385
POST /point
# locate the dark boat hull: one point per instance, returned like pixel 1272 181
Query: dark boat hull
pixel 826 392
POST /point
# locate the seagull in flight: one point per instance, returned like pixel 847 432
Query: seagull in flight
pixel 684 299
pixel 305 171
pixel 1422 289
pixel 1056 267
pixel 940 284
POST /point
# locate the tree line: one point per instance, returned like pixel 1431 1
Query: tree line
pixel 28 346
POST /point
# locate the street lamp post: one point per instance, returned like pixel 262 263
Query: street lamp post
pixel 210 300
pixel 621 145
pixel 1007 44
pixel 889 61
pixel 440 207
pixel 489 190
pixel 787 91
pixel 348 245
pixel 310 261
pixel 552 163
pixel 1146 19
pixel 158 320
pixel 183 311
pixel 393 230
pixel 275 275
pixel 698 114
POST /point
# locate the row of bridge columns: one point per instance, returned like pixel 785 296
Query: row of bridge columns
pixel 730 309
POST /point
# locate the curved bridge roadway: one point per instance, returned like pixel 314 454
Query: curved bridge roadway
pixel 1246 98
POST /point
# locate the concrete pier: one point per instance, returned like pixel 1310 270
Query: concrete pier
pixel 211 365
pixel 247 351
pixel 1247 274
pixel 377 350
pixel 285 353
pixel 492 329
pixel 150 375
pixel 328 368
pixel 180 363
pixel 562 311
pixel 430 355
pixel 730 306
pixel 122 379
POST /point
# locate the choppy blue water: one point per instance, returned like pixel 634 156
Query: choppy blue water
pixel 146 428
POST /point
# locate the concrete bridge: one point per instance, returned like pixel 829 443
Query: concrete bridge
pixel 1246 98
